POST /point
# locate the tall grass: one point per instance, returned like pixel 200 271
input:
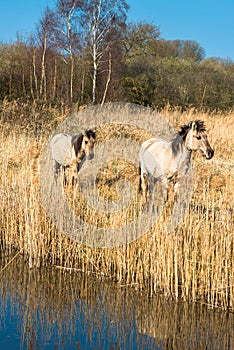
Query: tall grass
pixel 195 263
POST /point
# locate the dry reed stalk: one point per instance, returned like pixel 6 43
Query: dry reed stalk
pixel 196 263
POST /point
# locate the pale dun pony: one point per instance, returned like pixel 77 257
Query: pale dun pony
pixel 170 160
pixel 71 151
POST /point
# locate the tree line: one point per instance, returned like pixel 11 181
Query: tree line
pixel 85 51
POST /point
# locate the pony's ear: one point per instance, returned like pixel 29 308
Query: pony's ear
pixel 194 126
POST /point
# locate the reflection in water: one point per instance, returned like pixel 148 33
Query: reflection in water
pixel 53 309
pixel 186 326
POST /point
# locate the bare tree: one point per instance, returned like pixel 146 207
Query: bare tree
pixel 44 40
pixel 108 78
pixel 66 33
pixel 43 34
pixel 43 71
pixel 100 18
pixel 187 49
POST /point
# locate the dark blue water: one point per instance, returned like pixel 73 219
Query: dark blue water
pixel 82 333
pixel 53 309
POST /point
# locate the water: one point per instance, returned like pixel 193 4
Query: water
pixel 55 309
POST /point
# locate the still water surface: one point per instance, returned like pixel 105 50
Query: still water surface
pixel 53 309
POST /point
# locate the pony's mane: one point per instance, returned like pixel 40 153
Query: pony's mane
pixel 184 129
pixel 90 133
pixel 77 142
pixel 180 137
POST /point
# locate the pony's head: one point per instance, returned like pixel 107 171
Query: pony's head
pixel 195 138
pixel 84 144
pixel 88 142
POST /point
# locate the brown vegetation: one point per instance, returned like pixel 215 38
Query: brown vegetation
pixel 196 263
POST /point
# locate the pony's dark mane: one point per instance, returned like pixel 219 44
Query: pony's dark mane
pixel 90 133
pixel 77 142
pixel 184 129
pixel 180 137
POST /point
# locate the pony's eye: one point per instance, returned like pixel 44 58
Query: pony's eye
pixel 198 137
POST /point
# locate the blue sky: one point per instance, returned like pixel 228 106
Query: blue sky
pixel 209 22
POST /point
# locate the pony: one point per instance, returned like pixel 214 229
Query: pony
pixel 171 160
pixel 71 151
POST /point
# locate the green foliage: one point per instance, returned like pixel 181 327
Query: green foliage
pixel 140 40
pixel 179 82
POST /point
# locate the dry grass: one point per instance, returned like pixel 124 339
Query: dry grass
pixel 196 263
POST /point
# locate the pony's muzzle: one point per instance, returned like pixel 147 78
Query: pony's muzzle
pixel 90 156
pixel 209 154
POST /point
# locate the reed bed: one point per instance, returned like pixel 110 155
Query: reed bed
pixel 194 263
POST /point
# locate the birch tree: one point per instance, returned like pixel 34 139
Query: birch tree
pixel 43 37
pixel 44 40
pixel 66 32
pixel 100 18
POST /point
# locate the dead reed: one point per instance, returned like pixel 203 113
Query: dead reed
pixel 195 263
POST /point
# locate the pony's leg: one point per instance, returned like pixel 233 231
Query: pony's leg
pixel 59 174
pixel 140 182
pixel 144 186
pixel 182 190
pixel 144 183
pixel 160 192
pixel 181 187
pixel 177 187
pixel 74 173
pixel 56 169
pixel 165 189
pixel 64 176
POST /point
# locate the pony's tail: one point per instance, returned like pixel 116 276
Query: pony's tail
pixel 140 181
